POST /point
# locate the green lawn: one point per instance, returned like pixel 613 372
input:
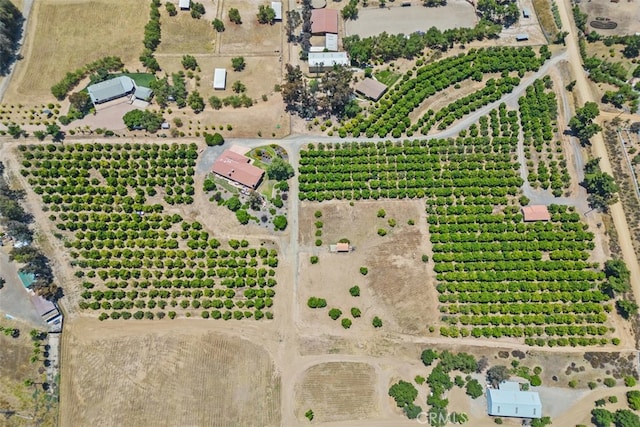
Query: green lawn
pixel 141 79
pixel 386 77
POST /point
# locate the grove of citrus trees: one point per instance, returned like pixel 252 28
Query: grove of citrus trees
pixel 109 203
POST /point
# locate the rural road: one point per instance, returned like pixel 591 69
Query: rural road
pixel 599 150
pixel 26 11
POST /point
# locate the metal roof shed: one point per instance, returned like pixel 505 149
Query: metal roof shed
pixel 143 93
pixel 331 42
pixel 323 61
pixel 220 78
pixel 184 4
pixel 277 8
pixel 370 88
pixel 526 13
pixel 509 401
pixel 111 89
pixel 522 37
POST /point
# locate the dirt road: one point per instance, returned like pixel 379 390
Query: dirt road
pixel 585 94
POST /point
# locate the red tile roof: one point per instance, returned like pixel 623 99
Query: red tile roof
pixel 324 21
pixel 536 213
pixel 342 247
pixel 236 167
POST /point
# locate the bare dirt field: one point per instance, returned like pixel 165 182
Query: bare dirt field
pixel 64 35
pixel 179 374
pixel 337 392
pixel 250 36
pixel 183 34
pixel 398 287
pixel 406 20
pixel 625 13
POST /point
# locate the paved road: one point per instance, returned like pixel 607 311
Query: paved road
pixel 26 11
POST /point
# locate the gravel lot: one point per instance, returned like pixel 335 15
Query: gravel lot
pixel 397 19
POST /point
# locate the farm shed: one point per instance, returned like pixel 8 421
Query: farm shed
pixel 238 168
pixel 509 401
pixel 526 13
pixel 370 88
pixel 536 213
pixel 117 88
pixel 331 42
pixel 111 89
pixel 324 21
pixel 324 61
pixel 46 309
pixel 277 8
pixel 522 37
pixel 184 4
pixel 220 78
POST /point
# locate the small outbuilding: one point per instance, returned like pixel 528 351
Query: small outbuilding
pixel 526 13
pixel 238 168
pixel 143 93
pixel 331 42
pixel 509 401
pixel 220 79
pixel 184 4
pixel 370 88
pixel 324 21
pixel 277 8
pixel 325 61
pixel 522 37
pixel 536 213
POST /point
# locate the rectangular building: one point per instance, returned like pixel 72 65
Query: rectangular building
pixel 324 61
pixel 220 79
pixel 324 21
pixel 238 168
pixel 331 42
pixel 277 8
pixel 522 37
pixel 536 213
pixel 509 401
pixel 184 4
pixel 370 88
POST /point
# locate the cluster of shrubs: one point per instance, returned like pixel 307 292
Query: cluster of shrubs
pixel 110 63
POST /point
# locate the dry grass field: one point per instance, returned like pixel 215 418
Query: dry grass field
pixel 66 34
pixel 15 368
pixel 181 34
pixel 178 374
pixel 337 391
pixel 398 287
pixel 250 36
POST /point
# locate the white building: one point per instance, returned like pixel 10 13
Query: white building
pixel 220 79
pixel 277 8
pixel 324 61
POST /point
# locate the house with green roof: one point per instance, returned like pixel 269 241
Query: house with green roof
pixel 117 87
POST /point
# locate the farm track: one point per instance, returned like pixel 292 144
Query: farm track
pixel 282 337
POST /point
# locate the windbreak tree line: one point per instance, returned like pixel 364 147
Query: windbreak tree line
pixel 15 221
pixel 10 32
pixel 135 259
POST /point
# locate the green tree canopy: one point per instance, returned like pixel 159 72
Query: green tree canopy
pixel 582 125
pixel 280 170
pixel 143 119
pixel 266 14
pixel 404 393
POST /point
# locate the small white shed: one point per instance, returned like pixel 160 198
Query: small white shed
pixel 184 4
pixel 220 79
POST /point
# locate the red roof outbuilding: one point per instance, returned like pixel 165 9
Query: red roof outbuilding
pixel 238 168
pixel 536 213
pixel 324 21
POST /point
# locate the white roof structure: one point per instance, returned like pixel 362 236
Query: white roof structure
pixel 277 8
pixel 184 4
pixel 220 78
pixel 328 59
pixel 509 401
pixel 331 42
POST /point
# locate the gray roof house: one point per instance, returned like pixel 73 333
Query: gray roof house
pixel 509 401
pixel 117 88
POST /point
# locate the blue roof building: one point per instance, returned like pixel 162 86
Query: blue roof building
pixel 509 401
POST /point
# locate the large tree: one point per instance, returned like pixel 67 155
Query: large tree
pixel 81 101
pixel 266 14
pixel 142 119
pixel 582 124
pixel 280 170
